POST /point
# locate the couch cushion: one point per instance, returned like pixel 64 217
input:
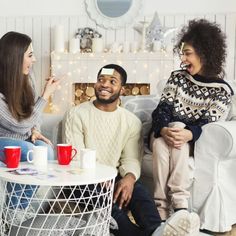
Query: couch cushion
pixel 51 126
pixel 147 166
pixel 142 107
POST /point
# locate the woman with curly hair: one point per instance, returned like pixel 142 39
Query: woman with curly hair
pixel 193 96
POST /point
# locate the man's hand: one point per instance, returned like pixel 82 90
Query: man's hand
pixel 36 135
pixel 175 137
pixel 124 190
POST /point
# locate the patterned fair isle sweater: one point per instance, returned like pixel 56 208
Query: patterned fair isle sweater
pixel 116 136
pixel 12 128
pixel 193 100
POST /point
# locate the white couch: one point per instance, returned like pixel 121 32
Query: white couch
pixel 213 169
pixel 213 189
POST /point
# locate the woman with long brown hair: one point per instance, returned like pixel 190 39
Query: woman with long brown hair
pixel 20 108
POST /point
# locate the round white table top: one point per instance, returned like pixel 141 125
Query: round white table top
pixel 59 175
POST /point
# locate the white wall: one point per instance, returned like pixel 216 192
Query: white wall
pixel 190 6
pixel 76 7
pixel 38 18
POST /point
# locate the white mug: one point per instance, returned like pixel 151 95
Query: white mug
pixel 87 158
pixel 40 157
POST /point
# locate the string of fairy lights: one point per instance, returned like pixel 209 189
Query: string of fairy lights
pixel 143 69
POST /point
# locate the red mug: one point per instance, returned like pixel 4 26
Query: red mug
pixel 64 153
pixel 12 156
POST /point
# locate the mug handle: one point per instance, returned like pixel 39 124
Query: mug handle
pixel 30 161
pixel 75 152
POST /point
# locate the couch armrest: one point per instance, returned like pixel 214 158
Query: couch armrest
pixel 218 140
pixel 213 192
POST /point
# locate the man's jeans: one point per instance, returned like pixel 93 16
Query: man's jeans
pixel 143 210
pixel 20 194
pixel 141 205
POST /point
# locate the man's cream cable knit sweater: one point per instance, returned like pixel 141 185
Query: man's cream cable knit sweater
pixel 116 136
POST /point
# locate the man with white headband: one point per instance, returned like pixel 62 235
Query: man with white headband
pixel 115 133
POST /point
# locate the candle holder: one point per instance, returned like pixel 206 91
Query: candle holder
pixel 59 38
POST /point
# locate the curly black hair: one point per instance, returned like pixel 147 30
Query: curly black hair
pixel 209 42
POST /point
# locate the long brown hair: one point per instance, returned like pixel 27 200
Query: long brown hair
pixel 14 85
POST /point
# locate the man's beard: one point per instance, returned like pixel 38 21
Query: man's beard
pixel 112 99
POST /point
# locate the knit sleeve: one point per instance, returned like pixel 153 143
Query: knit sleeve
pixel 217 107
pixel 162 115
pixel 73 129
pixel 130 160
pixel 24 126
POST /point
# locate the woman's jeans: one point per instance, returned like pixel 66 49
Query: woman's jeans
pixel 20 194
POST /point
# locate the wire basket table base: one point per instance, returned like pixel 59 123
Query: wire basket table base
pixel 32 210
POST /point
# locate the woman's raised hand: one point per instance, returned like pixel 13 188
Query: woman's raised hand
pixel 50 87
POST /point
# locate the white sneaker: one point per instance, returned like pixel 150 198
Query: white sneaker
pixel 113 224
pixel 181 223
pixel 194 224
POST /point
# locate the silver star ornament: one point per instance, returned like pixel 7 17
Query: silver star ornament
pixel 155 31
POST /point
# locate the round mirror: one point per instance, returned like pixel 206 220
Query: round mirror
pixel 113 14
pixel 114 8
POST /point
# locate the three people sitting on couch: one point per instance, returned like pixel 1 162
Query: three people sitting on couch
pixel 193 96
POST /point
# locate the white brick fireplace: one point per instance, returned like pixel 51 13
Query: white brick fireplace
pixel 142 68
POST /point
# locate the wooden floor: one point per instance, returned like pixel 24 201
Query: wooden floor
pixel 231 233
